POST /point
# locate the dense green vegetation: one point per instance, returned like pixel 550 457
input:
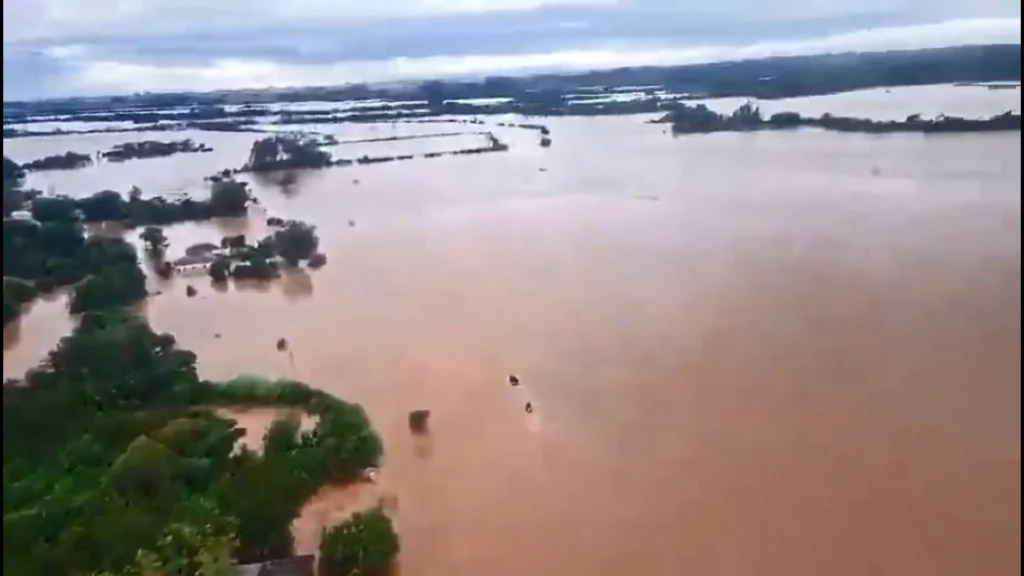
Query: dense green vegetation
pixel 699 119
pixel 366 545
pixel 52 249
pixel 114 464
pixel 38 257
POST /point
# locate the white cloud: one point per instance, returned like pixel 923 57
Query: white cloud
pixel 54 19
pixel 26 20
pixel 111 76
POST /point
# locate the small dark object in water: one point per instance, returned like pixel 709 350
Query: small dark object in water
pixel 513 379
pixel 529 408
pixel 217 335
pixel 418 421
pixel 190 291
pixel 317 260
pixel 351 223
pixel 282 344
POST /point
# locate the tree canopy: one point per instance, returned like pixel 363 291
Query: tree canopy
pixel 113 462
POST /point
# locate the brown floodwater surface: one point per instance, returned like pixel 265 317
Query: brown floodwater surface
pixel 747 355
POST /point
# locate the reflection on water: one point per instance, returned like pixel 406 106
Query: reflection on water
pixel 788 365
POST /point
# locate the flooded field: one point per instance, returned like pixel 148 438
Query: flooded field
pixel 747 354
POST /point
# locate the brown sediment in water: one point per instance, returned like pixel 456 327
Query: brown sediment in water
pixel 785 366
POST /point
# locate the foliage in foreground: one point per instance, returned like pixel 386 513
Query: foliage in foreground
pixel 364 545
pixel 114 464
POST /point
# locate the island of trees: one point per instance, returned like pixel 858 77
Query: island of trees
pixel 115 461
pixel 71 160
pixel 699 119
pixel 66 161
pixel 286 153
pixel 153 149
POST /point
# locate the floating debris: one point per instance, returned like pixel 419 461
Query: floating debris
pixel 418 421
pixel 282 344
pixel 529 408
pixel 513 379
pixel 389 502
pixel 190 291
pixel 371 474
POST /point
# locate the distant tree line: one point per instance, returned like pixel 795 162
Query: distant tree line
pixel 550 94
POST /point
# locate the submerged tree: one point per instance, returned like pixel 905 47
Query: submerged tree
pixel 366 544
pixel 286 152
pixel 295 242
pixel 155 241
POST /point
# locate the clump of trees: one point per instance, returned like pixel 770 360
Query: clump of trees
pixel 295 242
pixel 130 472
pixel 287 153
pixel 699 119
pixel 48 255
pixel 291 244
pixel 153 149
pixel 365 544
pixel 228 198
pixel 155 241
pixel 113 286
pixel 14 177
pixel 66 161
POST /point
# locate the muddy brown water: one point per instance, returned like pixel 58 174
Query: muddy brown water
pixel 770 354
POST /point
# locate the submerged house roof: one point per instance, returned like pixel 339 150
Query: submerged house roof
pixel 294 566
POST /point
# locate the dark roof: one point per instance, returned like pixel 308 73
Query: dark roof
pixel 294 566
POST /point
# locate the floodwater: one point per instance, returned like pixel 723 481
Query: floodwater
pixel 748 354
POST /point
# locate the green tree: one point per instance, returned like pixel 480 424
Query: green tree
pixel 364 545
pixel 155 241
pixel 104 206
pixel 295 242
pixel 219 271
pixel 116 286
pixel 228 198
pixel 55 209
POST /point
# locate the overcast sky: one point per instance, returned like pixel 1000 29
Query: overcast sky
pixel 76 47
